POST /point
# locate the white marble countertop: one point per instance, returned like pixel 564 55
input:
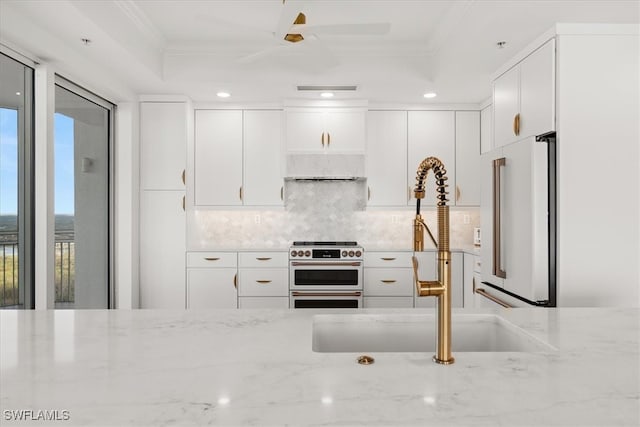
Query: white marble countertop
pixel 257 367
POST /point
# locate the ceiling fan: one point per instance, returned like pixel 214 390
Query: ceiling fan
pixel 293 32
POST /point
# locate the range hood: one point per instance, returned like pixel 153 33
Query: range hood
pixel 325 167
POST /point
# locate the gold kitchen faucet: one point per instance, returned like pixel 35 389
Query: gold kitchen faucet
pixel 440 288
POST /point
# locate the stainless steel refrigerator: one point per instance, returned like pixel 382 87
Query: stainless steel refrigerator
pixel 518 218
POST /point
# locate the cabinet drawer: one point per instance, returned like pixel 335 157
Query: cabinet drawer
pixel 388 302
pixel 212 259
pixel 263 259
pixel 388 259
pixel 388 282
pixel 263 282
pixel 263 302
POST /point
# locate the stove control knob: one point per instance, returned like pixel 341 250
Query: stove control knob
pixel 294 253
pixel 358 254
pixel 307 253
pixel 344 253
pixel 300 253
pixel 351 253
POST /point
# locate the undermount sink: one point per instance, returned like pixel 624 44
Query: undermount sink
pixel 417 333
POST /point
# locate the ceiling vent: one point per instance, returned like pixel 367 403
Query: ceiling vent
pixel 327 88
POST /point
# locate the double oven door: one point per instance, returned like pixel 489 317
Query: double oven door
pixel 325 284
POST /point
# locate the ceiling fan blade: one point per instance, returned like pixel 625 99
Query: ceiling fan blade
pixel 265 53
pixel 378 28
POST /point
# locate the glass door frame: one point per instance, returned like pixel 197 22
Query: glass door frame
pixel 111 108
pixel 26 181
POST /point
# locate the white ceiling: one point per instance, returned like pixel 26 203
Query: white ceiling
pixel 196 48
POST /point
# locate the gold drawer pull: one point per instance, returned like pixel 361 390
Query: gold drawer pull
pixel 322 139
pixel 263 258
pixel 263 281
pixel 211 258
pixel 388 281
pixel 184 181
pixel 516 124
pixel 235 281
pixel 388 259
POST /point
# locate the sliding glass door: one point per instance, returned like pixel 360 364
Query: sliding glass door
pixel 82 135
pixel 16 191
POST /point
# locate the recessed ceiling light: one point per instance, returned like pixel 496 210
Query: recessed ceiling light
pixel 429 95
pixel 18 93
pixel 223 94
pixel 326 94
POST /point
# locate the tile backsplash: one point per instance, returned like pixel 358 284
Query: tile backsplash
pixel 373 229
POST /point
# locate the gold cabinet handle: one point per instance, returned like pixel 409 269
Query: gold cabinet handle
pixel 388 281
pixel 240 192
pixel 263 258
pixel 488 296
pixel 263 282
pixel 235 280
pixel 184 179
pixel 184 203
pixel 282 193
pixel 408 193
pixel 322 139
pixel 516 124
pixel 211 258
pixel 368 193
pixel 328 139
pixel 457 193
pixel 388 259
pixel 497 221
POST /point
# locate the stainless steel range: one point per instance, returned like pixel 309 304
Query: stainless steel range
pixel 325 275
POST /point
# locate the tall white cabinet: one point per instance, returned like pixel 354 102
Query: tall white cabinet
pixel 163 137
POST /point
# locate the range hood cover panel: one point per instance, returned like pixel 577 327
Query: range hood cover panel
pixel 325 166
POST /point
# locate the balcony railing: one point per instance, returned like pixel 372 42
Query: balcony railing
pixel 64 273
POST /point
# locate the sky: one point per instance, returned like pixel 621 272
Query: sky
pixel 64 167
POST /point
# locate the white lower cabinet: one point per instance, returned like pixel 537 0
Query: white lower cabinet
pixel 388 280
pixel 263 280
pixel 162 247
pixel 263 302
pixel 427 263
pixel 212 280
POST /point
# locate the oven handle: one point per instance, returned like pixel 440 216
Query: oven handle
pixel 330 264
pixel 325 294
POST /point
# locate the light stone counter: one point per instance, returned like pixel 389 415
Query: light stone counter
pixel 243 367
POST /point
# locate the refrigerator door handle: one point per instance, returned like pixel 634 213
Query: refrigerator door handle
pixel 497 220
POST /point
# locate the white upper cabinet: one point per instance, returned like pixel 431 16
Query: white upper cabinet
pixel 524 97
pixel 537 91
pixel 467 189
pixel 431 134
pixel 387 158
pixel 486 129
pixel 263 181
pixel 163 136
pixel 218 157
pixel 326 130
